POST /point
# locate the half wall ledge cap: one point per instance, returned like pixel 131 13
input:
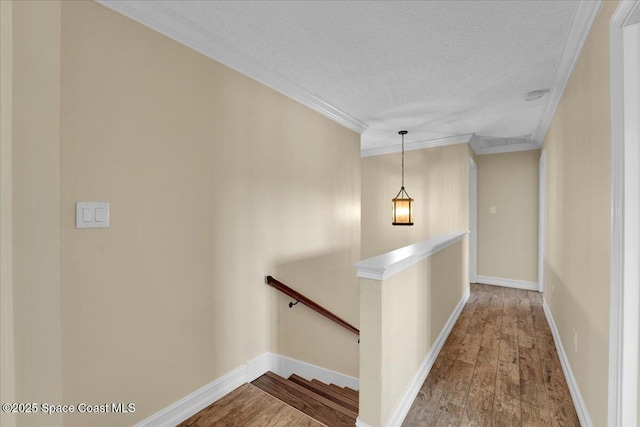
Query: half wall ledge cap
pixel 383 266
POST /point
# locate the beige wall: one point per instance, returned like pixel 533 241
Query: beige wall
pixel 7 347
pixel 214 182
pixel 577 261
pixel 508 238
pixel 437 178
pixel 401 317
pixel 36 197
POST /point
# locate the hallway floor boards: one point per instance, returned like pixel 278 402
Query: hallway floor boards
pixel 499 367
pixel 249 406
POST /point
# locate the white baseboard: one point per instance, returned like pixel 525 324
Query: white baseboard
pixel 509 283
pixel 281 365
pixel 404 404
pixel 285 366
pixel 578 402
pixel 196 401
pixel 259 365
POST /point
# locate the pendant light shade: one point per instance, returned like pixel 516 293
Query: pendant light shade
pixel 402 208
pixel 402 203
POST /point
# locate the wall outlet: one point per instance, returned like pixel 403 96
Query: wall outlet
pixel 575 340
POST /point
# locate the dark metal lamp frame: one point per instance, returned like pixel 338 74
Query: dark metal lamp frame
pixel 402 196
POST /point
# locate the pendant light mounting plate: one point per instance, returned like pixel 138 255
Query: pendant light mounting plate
pixel 403 132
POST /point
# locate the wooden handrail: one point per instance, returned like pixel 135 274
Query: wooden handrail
pixel 311 304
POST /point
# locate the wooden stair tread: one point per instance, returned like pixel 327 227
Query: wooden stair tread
pixel 305 400
pixel 325 391
pixel 352 392
pixel 356 393
pixel 346 391
pixel 338 390
pixel 353 398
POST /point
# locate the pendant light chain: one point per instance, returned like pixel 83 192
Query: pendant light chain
pixel 402 161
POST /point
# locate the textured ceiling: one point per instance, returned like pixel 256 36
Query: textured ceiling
pixel 437 68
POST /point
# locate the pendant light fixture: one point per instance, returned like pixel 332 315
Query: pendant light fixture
pixel 402 203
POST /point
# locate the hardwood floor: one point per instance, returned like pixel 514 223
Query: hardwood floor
pixel 249 406
pixel 499 367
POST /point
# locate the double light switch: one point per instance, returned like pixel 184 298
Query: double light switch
pixel 92 214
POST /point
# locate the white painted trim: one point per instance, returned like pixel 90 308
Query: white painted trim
pixel 261 364
pixel 509 283
pixel 417 145
pixel 383 266
pixel 616 343
pixel 152 15
pixel 625 239
pixel 473 220
pixel 631 213
pixel 360 423
pixel 205 396
pixel 542 218
pixel 404 404
pixel 509 148
pixel 479 145
pixel 197 401
pixel 586 12
pixel 578 402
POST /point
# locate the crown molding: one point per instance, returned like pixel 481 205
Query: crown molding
pixel 526 146
pixel 479 148
pixel 157 18
pixel 586 12
pixel 417 145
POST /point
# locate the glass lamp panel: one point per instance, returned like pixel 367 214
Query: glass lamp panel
pixel 402 211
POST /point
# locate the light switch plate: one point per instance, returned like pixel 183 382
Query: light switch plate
pixel 92 214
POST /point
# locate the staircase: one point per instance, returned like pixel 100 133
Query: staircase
pixel 327 403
